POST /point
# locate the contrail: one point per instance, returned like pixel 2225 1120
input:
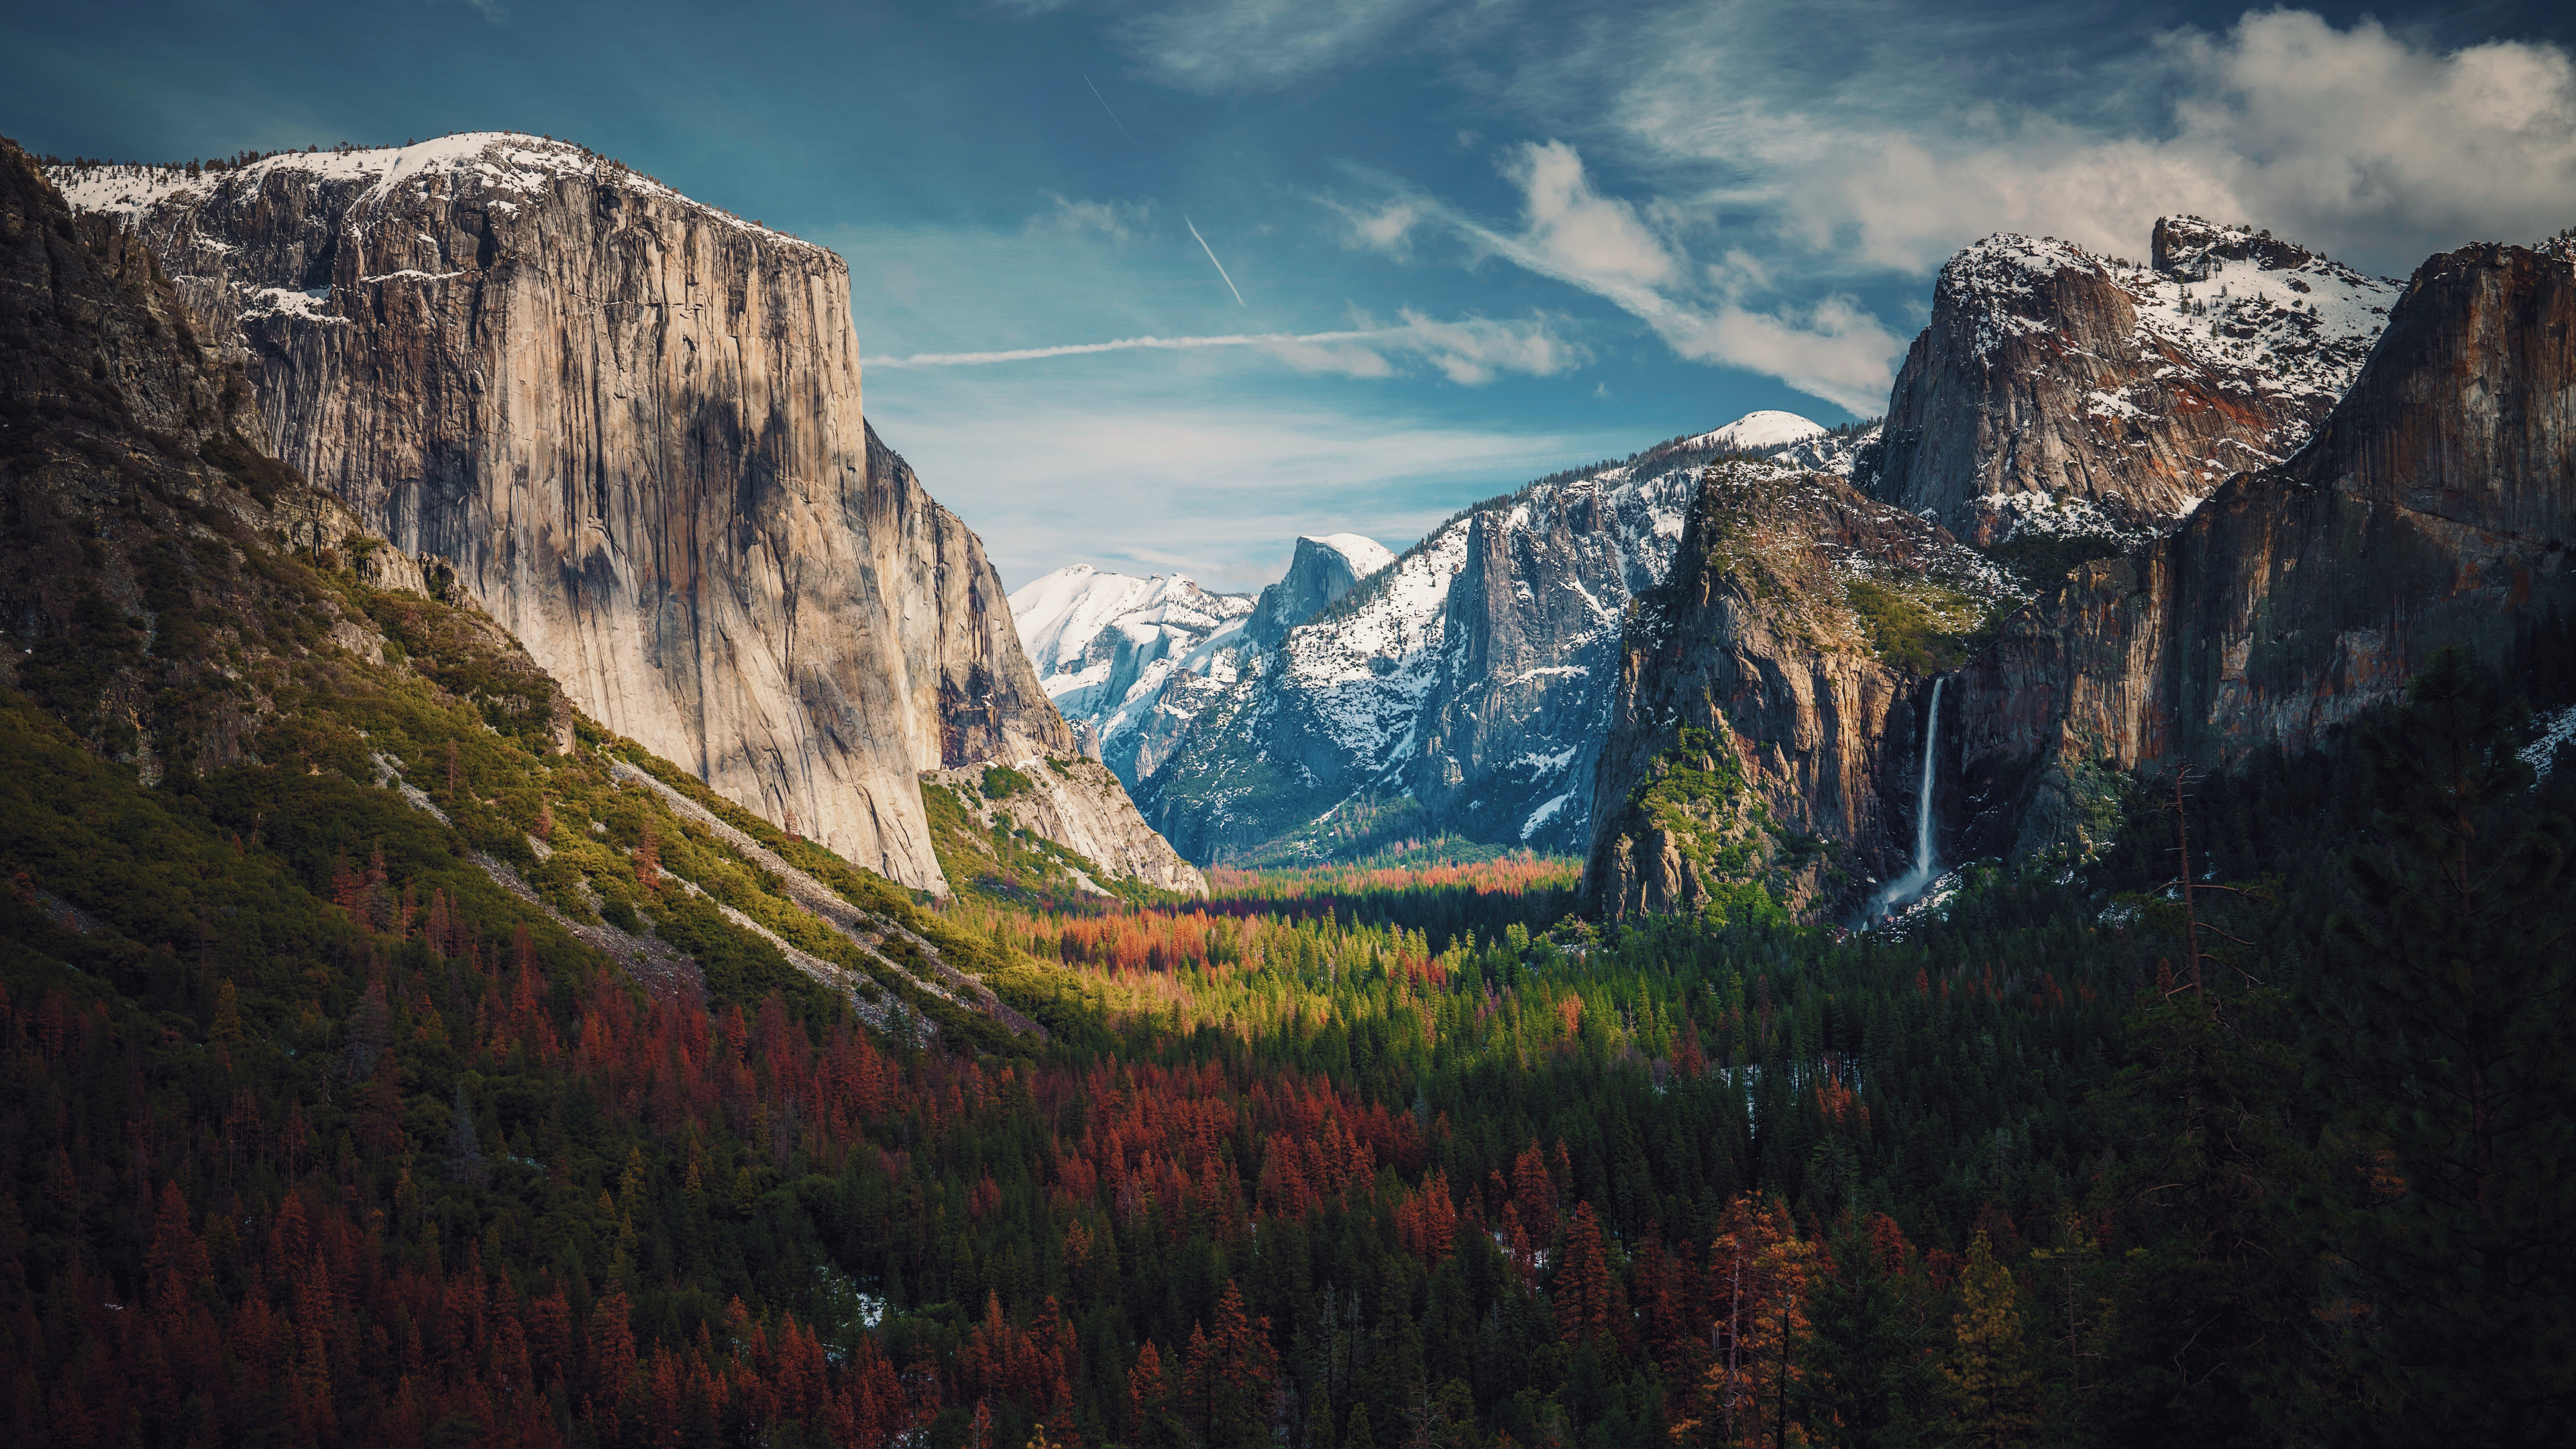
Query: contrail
pixel 1130 344
pixel 1220 266
pixel 1113 115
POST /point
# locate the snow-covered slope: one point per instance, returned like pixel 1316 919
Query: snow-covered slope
pixel 1365 555
pixel 1757 431
pixel 506 167
pixel 1460 689
pixel 1104 645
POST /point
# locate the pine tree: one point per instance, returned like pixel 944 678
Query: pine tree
pixel 1992 1389
pixel 2448 1057
pixel 1867 1353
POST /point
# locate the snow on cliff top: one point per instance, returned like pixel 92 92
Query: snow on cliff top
pixel 2236 301
pixel 508 161
pixel 1365 555
pixel 1769 428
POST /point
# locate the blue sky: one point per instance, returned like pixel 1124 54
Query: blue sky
pixel 1462 244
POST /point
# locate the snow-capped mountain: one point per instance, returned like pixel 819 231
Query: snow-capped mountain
pixel 1461 688
pixel 1755 432
pixel 1105 645
pixel 2077 392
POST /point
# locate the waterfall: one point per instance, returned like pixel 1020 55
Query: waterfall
pixel 1909 885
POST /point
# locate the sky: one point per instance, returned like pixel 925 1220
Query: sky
pixel 1158 286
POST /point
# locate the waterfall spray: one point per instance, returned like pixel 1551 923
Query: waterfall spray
pixel 1909 885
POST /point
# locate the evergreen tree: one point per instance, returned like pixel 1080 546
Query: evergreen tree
pixel 1991 1388
pixel 1868 1350
pixel 2448 1058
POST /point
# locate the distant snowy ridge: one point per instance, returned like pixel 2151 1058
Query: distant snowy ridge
pixel 1462 684
pixel 1106 645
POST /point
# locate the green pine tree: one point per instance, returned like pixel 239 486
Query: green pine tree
pixel 2448 1059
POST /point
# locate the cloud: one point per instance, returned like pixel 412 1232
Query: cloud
pixel 1252 45
pixel 1117 220
pixel 1218 490
pixel 1474 351
pixel 2370 145
pixel 1471 352
pixel 1833 349
pixel 1388 228
pixel 1579 232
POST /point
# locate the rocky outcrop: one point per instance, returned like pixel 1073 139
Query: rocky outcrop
pixel 1080 805
pixel 631 425
pixel 1320 571
pixel 143 597
pixel 1772 698
pixel 2082 394
pixel 2433 507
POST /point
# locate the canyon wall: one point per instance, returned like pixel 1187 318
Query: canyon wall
pixel 2433 507
pixel 631 423
pixel 1772 698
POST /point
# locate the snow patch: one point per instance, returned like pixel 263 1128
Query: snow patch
pixel 1542 815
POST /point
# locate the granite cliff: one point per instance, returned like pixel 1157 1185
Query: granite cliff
pixel 1771 695
pixel 2417 489
pixel 2433 507
pixel 630 424
pixel 2067 393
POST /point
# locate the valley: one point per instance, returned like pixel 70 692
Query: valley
pixel 553 899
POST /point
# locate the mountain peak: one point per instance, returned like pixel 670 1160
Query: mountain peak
pixel 1768 428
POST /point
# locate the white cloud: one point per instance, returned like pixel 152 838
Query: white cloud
pixel 1833 349
pixel 1579 232
pixel 1471 351
pixel 1117 220
pixel 1388 228
pixel 2366 144
pixel 1241 45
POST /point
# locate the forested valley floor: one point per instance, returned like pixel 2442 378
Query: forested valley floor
pixel 315 1134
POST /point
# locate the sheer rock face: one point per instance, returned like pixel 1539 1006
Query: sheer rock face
pixel 132 510
pixel 632 423
pixel 1320 571
pixel 2092 395
pixel 2434 507
pixel 1759 714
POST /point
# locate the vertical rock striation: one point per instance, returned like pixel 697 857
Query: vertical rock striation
pixel 632 424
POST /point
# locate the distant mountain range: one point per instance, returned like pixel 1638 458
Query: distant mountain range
pixel 2118 514
pixel 1457 690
